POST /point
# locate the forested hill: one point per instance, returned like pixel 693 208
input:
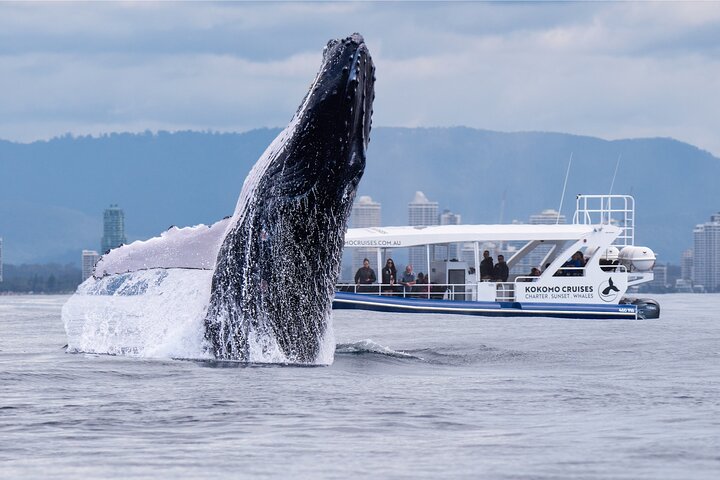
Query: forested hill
pixel 54 192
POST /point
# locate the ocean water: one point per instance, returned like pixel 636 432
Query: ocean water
pixel 408 396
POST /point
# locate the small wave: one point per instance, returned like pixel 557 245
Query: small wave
pixel 222 363
pixel 368 346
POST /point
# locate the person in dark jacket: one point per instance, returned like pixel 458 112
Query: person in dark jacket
pixel 500 272
pixel 421 287
pixel 365 276
pixel 575 266
pixel 578 262
pixel 534 272
pixel 486 266
pixel 389 276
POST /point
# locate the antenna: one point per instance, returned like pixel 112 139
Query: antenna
pixel 502 216
pixel 502 206
pixel 612 184
pixel 562 197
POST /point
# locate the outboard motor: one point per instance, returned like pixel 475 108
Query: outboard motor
pixel 647 307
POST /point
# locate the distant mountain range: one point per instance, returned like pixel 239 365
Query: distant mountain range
pixel 53 193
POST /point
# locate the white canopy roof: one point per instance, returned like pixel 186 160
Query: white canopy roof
pixel 394 237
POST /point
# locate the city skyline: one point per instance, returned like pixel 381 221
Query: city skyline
pixel 367 213
pixel 691 275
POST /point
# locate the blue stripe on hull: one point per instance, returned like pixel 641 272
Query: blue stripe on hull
pixel 344 300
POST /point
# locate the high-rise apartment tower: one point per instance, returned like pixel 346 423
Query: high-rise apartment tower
pixel 421 213
pixel 365 213
pixel 686 264
pixel 706 265
pixel 113 228
pixel 89 259
pixel 453 250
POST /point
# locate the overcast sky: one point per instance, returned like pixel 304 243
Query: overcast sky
pixel 612 70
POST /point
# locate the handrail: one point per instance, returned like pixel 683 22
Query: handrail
pixel 418 290
pixel 569 272
pixel 527 278
pixel 505 291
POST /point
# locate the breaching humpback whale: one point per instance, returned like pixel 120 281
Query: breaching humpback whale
pixel 261 282
pixel 276 270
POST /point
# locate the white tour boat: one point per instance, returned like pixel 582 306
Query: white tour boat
pixel 602 230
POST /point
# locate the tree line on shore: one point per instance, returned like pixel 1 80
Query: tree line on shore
pixel 40 278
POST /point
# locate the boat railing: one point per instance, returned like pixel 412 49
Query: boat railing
pixel 501 291
pixel 569 272
pixel 504 291
pixel 438 291
pixel 580 271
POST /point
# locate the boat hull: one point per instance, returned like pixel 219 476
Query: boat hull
pixel 345 300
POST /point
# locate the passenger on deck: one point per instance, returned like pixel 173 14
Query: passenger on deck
pixel 486 267
pixel 389 276
pixel 421 287
pixel 577 261
pixel 572 268
pixel 408 279
pixel 365 276
pixel 500 271
pixel 534 272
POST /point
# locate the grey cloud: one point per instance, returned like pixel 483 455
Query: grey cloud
pixel 606 69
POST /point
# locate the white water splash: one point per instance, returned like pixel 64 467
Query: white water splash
pixel 136 314
pixel 369 346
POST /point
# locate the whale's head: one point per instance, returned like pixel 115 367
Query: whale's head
pixel 327 138
pixel 276 270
